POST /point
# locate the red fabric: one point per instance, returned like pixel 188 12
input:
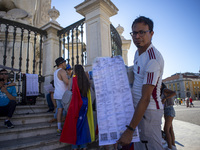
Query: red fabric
pixel 154 95
pixel 128 147
pixel 132 147
pixel 97 130
pixel 69 129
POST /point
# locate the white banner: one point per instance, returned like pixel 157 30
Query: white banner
pixel 113 98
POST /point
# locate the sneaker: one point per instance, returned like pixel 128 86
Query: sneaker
pixel 8 124
pixel 59 132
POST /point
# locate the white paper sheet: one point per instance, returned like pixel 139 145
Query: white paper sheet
pixel 113 98
pixel 32 88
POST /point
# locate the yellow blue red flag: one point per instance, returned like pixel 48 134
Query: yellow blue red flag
pixel 79 124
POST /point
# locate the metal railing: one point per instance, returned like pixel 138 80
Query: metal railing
pixel 116 43
pixel 23 44
pixel 69 41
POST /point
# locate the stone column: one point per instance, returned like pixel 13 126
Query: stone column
pixel 125 44
pixel 50 47
pixel 97 15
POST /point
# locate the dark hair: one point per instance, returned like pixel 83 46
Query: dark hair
pixel 3 70
pixel 144 20
pixel 83 82
pixel 1 79
pixel 163 86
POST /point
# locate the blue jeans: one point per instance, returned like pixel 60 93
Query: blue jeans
pixel 169 111
pixel 49 101
pixel 55 114
pixel 9 109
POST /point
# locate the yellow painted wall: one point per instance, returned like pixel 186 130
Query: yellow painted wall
pixel 195 85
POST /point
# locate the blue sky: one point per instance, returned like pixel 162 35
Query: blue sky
pixel 176 28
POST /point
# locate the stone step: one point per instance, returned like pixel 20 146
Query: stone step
pixel 27 130
pixel 41 101
pixel 30 109
pixel 90 146
pixel 40 142
pixel 23 119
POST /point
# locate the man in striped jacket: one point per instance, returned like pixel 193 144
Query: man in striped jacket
pixel 148 70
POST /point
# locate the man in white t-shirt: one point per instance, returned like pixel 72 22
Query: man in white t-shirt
pixel 148 70
pixel 61 85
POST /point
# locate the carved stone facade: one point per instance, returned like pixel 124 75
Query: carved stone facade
pixel 41 16
pixel 31 12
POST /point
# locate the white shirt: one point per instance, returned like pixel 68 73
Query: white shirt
pixel 148 69
pixel 60 86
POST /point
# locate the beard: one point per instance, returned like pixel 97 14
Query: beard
pixel 138 45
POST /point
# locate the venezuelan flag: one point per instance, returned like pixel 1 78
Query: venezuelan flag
pixel 79 124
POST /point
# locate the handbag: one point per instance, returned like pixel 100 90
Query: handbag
pixel 66 99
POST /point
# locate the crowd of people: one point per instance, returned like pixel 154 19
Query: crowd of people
pixel 188 101
pixel 152 100
pixel 78 82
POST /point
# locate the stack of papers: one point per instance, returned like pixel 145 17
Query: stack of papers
pixel 113 99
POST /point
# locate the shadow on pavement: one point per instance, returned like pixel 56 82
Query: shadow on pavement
pixel 179 144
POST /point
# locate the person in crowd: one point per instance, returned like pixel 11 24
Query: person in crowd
pixel 184 101
pixel 7 102
pixel 4 75
pixel 169 114
pixel 191 103
pixel 54 119
pixel 176 101
pixel 50 100
pixel 61 85
pixel 187 101
pixel 69 71
pixel 180 101
pixel 78 128
pixel 148 70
